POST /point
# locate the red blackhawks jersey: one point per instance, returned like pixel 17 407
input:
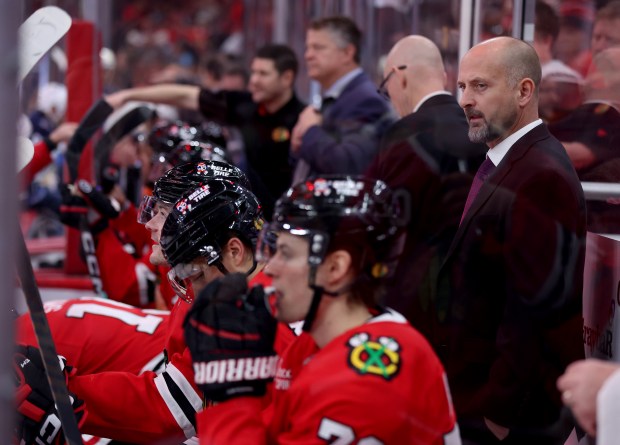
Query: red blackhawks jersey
pixel 379 383
pixel 96 334
pixel 150 407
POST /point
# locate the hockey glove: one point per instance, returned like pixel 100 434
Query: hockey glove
pixel 82 199
pixel 230 334
pixel 37 419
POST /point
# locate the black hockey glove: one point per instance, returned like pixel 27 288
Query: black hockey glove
pixel 37 420
pixel 230 333
pixel 82 199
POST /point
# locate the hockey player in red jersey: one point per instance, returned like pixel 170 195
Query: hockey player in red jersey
pixel 96 334
pixel 123 243
pixel 116 400
pixel 358 374
pixel 224 237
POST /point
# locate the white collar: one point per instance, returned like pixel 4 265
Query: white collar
pixel 338 86
pixel 428 96
pixel 497 153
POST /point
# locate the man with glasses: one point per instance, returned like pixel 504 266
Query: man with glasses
pixel 343 137
pixel 428 155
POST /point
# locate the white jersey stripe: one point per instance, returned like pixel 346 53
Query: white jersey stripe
pixel 173 406
pixel 155 364
pixel 194 398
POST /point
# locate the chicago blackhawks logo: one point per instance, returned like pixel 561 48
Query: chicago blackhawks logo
pixel 280 134
pixel 369 356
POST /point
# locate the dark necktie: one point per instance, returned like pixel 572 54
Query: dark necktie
pixel 326 102
pixel 485 169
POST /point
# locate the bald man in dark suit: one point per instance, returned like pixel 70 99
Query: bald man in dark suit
pixel 510 288
pixel 428 155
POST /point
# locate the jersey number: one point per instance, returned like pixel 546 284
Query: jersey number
pixel 337 433
pixel 143 323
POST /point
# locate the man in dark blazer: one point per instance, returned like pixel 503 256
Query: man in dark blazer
pixel 510 289
pixel 428 155
pixel 342 135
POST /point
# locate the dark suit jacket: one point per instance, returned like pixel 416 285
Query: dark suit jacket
pixel 510 290
pixel 348 139
pixel 427 154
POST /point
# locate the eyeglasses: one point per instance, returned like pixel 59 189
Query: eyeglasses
pixel 382 90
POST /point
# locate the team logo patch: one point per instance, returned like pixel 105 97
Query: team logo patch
pixel 280 134
pixel 201 168
pixel 321 187
pixel 346 187
pixel 181 206
pixel 380 357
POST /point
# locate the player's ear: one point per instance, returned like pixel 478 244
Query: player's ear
pixel 337 268
pixel 236 251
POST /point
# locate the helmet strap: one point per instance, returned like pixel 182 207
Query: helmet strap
pixel 252 269
pixel 220 266
pixel 317 294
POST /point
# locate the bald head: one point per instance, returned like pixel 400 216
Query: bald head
pixel 515 57
pixel 416 51
pixel 499 80
pixel 417 67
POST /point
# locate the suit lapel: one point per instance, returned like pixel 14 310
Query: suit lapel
pixel 516 152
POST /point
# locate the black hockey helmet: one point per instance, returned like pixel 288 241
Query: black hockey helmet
pixel 339 208
pixel 337 211
pixel 166 135
pixel 204 219
pixel 192 151
pixel 170 187
pixel 179 142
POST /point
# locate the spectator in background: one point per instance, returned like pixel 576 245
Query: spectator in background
pixel 50 111
pixel 606 31
pixel 433 166
pixel 591 136
pixel 591 133
pixel 223 72
pixel 561 91
pixel 560 85
pixel 343 137
pixel 573 43
pixel 265 116
pixel 509 296
pixel 47 132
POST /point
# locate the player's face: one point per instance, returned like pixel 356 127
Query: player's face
pixel 266 84
pixel 207 275
pixel 289 269
pixel 154 225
